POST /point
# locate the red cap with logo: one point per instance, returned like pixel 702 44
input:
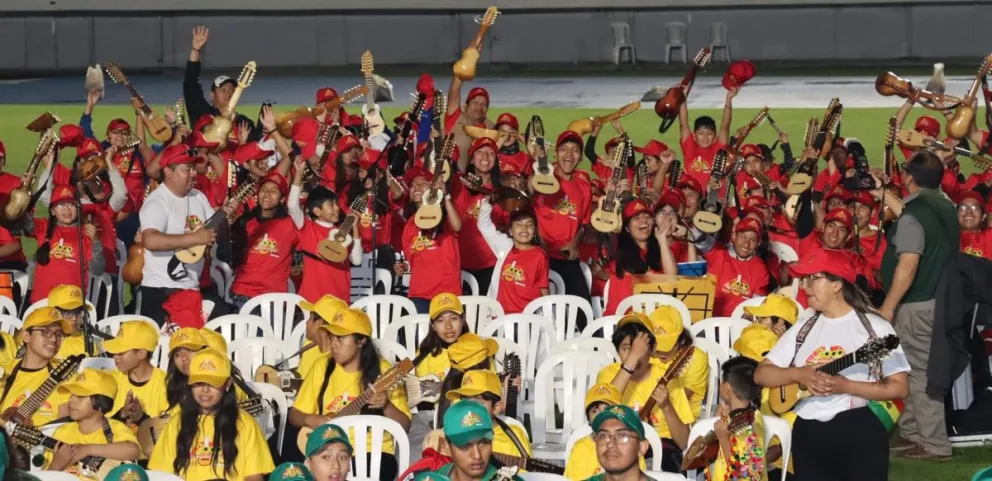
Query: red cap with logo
pixel 508 119
pixel 752 149
pixel 305 135
pixel 196 139
pixel 692 184
pixel 634 208
pixel 754 204
pixel 927 125
pixel 653 148
pixel 278 180
pixel 612 143
pixel 673 198
pixel 863 197
pixel 842 216
pixel 509 166
pixel 185 308
pixel 70 135
pixel 251 151
pixel 178 154
pixel 481 143
pixel 569 136
pixel 347 143
pixel 837 192
pixel 477 92
pixel 749 224
pixel 118 124
pixel 975 196
pixel 738 74
pixel 412 173
pixel 369 157
pixel 326 94
pixel 88 148
pixel 828 261
pixel 62 193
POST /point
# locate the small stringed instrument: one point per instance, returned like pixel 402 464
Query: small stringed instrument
pixel 783 399
pixel 389 379
pixel 668 106
pixel 607 217
pixel 335 247
pixel 705 449
pixel 429 214
pixel 958 125
pixel 734 150
pixel 19 201
pixel 24 411
pixel 890 167
pixel 679 364
pixel 819 137
pixel 529 464
pixel 135 265
pixel 476 132
pixel 585 126
pixel 508 198
pixel 150 430
pixel 286 121
pixel 90 468
pixel 888 84
pixel 180 113
pixel 220 128
pixel 157 126
pixel 425 389
pixel 433 154
pixel 506 473
pixel 543 181
pixel 192 255
pixel 371 111
pixel 915 140
pixel 709 217
pixel 289 380
pixel 464 68
pixel 327 135
pixel 125 153
pixel 511 370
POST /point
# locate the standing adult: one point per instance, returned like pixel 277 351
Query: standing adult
pixel 221 88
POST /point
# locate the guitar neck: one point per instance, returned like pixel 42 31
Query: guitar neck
pixel 33 402
pixel 690 77
pixel 347 223
pixel 134 93
pixel 370 93
pixel 480 36
pixel 233 103
pixel 354 408
pixel 839 364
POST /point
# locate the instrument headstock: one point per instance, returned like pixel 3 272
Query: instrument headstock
pixel 368 64
pixel 812 127
pixel 247 75
pixel 675 173
pixel 702 58
pixel 25 436
pixel 44 122
pixel 629 108
pixel 181 111
pixel 758 119
pixel 47 141
pixel 115 73
pixel 447 148
pixel 353 93
pixel 537 127
pixel 66 368
pixel 440 104
pixel 359 204
pixel 876 349
pixel 983 69
pixel 488 18
pixel 892 131
pixel 720 161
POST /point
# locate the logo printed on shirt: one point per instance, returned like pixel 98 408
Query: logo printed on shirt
pixel 565 207
pixel 422 242
pixel 737 287
pixel 203 450
pixel 367 218
pixel 473 211
pixel 973 251
pixel 339 403
pixel 511 273
pixel 265 246
pixel 61 250
pixel 700 165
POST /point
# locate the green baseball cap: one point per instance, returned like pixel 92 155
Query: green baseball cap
pixel 324 435
pixel 467 421
pixel 127 472
pixel 622 413
pixel 291 472
pixel 431 476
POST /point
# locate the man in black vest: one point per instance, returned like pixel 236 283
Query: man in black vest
pixel 921 243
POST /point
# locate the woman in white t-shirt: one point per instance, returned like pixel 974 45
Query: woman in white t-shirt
pixel 837 434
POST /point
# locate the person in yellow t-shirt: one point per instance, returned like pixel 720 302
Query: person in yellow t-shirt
pixel 582 461
pixel 341 376
pixel 91 396
pixel 776 312
pixel 140 386
pixel 484 387
pixel 320 312
pixel 637 376
pixel 8 348
pixel 42 335
pixel 209 415
pixel 183 345
pixel 70 303
pixel 469 352
pixel 742 443
pixel 216 341
pixel 755 341
pixel 668 325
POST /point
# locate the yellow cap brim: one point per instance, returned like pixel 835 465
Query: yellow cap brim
pixel 215 381
pixel 434 315
pixel 307 305
pixel 66 328
pixel 81 389
pixel 597 399
pixel 118 345
pixel 666 342
pixel 468 391
pixel 192 346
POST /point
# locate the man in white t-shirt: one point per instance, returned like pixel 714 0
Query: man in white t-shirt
pixel 170 218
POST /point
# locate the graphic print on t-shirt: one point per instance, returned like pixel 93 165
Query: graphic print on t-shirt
pixel 422 242
pixel 823 354
pixel 737 287
pixel 266 246
pixel 203 450
pixel 973 251
pixel 366 219
pixel 565 207
pixel 700 165
pixel 339 403
pixel 45 409
pixel 511 273
pixel 61 250
pixel 192 222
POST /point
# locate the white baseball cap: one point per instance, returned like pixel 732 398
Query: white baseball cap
pixel 221 81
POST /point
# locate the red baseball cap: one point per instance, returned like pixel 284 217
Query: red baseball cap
pixel 353 121
pixel 840 215
pixel 753 204
pixel 674 198
pixel 368 158
pixel 347 143
pixel 927 125
pixel 305 135
pixel 118 124
pixel 615 141
pixel 251 151
pixel 569 136
pixel 185 308
pixel 752 149
pixel 970 194
pixel 509 167
pixel 326 94
pixel 196 139
pixel 653 148
pixel 3 149
pixel 749 224
pixel 88 148
pixel 178 154
pixel 506 118
pixel 62 193
pixel 633 208
pixel 480 143
pixel 864 197
pixel 278 179
pixel 412 173
pixel 837 191
pixel 477 92
pixel 692 184
pixel 738 74
pixel 829 261
pixel 70 135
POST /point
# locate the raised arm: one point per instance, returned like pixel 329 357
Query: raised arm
pixel 196 103
pixel 293 202
pixel 499 242
pixel 118 195
pixel 723 136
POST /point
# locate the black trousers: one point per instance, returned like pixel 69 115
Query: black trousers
pixel 575 283
pixel 483 277
pixel 852 445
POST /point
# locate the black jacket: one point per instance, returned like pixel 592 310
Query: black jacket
pixel 197 104
pixel 964 283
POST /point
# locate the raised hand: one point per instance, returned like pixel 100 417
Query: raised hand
pixel 200 36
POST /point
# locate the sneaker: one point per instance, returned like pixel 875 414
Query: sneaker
pixel 920 453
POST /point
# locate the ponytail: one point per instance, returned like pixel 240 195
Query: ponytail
pixel 41 256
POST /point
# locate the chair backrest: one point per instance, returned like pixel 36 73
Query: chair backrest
pixel 275 398
pixel 563 311
pixel 281 310
pixel 663 476
pixel 22 282
pixel 250 353
pixel 101 286
pixel 718 33
pixel 364 428
pixel 472 284
pixel 208 308
pixel 111 325
pixel 607 324
pixel 699 429
pixel 621 33
pixel 647 303
pixel 784 252
pixel 578 372
pixel 383 310
pixel 101 363
pixel 162 476
pixel 362 277
pixel 721 330
pixel 716 355
pixel 480 310
pixel 391 351
pixel 409 331
pixel 532 332
pixel 556 283
pixel 778 427
pixel 240 326
pixel 649 432
pixel 221 278
pixel 675 33
pixel 587 344
pixel 7 306
pixel 738 311
pixel 9 323
pixel 586 273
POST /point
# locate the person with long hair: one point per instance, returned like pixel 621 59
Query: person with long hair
pixel 341 376
pixel 642 248
pixel 321 313
pixel 211 438
pixel 522 262
pixel 837 434
pixel 183 345
pixel 477 258
pixel 434 254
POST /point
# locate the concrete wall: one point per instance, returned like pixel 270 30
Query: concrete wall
pixel 69 40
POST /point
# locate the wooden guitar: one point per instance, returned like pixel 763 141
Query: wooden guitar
pixel 286 121
pixel 543 181
pixel 125 154
pixel 585 126
pixel 607 217
pixel 668 106
pixel 509 199
pixel 135 265
pixel 819 137
pixel 679 364
pixel 709 217
pixel 734 150
pixel 957 126
pixel 327 136
pixel 220 128
pixel 335 247
pixel 464 68
pixel 23 412
pixel 429 214
pixel 888 84
pixel 915 140
pixel 890 167
pixel 433 153
pixel 371 111
pixel 705 449
pixel 157 126
pixel 529 464
pixel 425 389
pixel 20 200
pixel 150 430
pixel 90 468
pixel 289 380
pixel 192 255
pixel 385 382
pixel 783 399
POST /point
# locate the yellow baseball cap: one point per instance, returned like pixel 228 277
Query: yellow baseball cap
pixel 469 350
pixel 133 335
pixel 755 341
pixel 188 337
pixel 325 307
pixel 211 367
pixel 66 297
pixel 214 340
pixel 667 327
pixel 92 382
pixel 446 301
pixel 476 382
pixel 636 317
pixel 44 316
pixel 349 321
pixel 775 305
pixel 603 392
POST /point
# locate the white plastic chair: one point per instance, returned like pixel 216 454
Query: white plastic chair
pixel 480 310
pixel 529 476
pixel 391 351
pixel 721 330
pixel 534 335
pixel 160 358
pixel 250 353
pixel 473 284
pixel 98 285
pixel 220 277
pixel 44 302
pixel 23 282
pixel 280 309
pixel 274 397
pixel 563 311
pixel 649 432
pixel 738 311
pixel 675 35
pixel 579 370
pixel 699 429
pixel 101 363
pixel 778 427
pixel 111 325
pixel 556 283
pixel 647 303
pixel 716 355
pixel 361 279
pixel 587 273
pixel 608 324
pixel 786 255
pixel 659 475
pixel 409 331
pixel 587 344
pixel 162 476
pixel 383 309
pixel 240 326
pixel 718 39
pixel 622 43
pixel 7 307
pixel 9 323
pixel 363 428
pixel 54 476
pixel 207 309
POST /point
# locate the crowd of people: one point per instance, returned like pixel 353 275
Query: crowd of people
pixel 433 199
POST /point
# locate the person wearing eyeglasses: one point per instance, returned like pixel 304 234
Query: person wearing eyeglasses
pixel 976 240
pixel 620 444
pixel 42 335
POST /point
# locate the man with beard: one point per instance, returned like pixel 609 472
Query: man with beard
pixel 620 443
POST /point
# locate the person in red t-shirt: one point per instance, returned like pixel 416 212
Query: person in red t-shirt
pixel 740 274
pixel 59 251
pixel 642 248
pixel 871 242
pixel 976 240
pixel 8 182
pixel 657 160
pixel 336 115
pixel 693 192
pixel 11 252
pixel 476 256
pixel 474 113
pixel 509 143
pixel 522 264
pixel 603 166
pixel 669 210
pixel 433 254
pixel 701 144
